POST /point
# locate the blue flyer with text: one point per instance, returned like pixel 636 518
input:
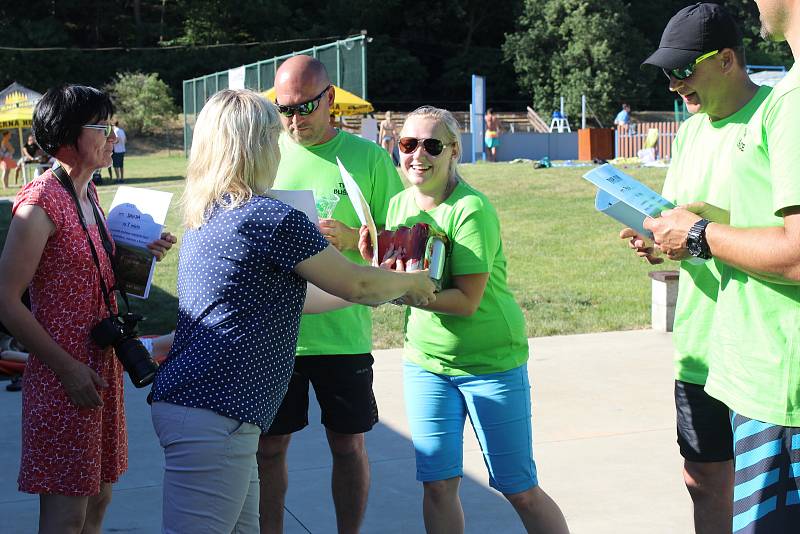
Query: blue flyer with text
pixel 624 198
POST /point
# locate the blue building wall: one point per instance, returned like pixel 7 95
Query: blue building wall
pixel 556 146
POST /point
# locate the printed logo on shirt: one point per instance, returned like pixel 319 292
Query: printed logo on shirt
pixel 340 190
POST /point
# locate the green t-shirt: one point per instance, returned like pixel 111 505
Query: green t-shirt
pixel 349 330
pixel 701 170
pixel 756 336
pixel 493 339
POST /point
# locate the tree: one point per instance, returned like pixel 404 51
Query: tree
pixel 142 99
pixel 759 51
pixel 571 48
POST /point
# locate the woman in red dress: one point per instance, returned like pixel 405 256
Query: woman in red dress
pixel 74 442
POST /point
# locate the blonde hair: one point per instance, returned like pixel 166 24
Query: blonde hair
pixel 445 118
pixel 234 153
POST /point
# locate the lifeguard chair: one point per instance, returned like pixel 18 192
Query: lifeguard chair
pixel 559 123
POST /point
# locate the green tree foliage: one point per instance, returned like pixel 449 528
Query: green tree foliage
pixel 451 41
pixel 759 51
pixel 143 100
pixel 413 59
pixel 573 47
pixel 422 52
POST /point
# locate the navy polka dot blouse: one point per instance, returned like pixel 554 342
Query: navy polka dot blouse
pixel 239 310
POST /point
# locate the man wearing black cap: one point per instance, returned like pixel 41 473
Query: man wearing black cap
pixel 701 55
pixel 755 352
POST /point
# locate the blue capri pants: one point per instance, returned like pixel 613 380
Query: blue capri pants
pixel 499 408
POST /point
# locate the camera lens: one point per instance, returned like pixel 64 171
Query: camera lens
pixel 136 361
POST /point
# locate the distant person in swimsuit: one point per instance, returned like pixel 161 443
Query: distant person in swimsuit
pixel 7 161
pixel 388 134
pixel 492 137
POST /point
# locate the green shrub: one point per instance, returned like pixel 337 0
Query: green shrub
pixel 143 100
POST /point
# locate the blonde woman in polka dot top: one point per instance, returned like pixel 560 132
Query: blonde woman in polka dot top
pixel 244 265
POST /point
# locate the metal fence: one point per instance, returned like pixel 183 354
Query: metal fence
pixel 346 61
pixel 629 141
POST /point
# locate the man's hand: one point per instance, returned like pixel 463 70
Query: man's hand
pixel 640 246
pixel 160 247
pixel 339 234
pixel 670 230
pixel 81 383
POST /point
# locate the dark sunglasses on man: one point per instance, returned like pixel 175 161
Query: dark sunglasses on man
pixel 306 108
pixel 407 145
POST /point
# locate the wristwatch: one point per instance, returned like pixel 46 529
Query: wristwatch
pixel 696 243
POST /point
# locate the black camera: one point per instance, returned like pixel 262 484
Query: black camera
pixel 119 331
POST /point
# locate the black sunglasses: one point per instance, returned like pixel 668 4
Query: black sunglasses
pixel 407 145
pixel 306 108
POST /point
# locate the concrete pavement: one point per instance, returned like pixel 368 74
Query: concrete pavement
pixel 604 441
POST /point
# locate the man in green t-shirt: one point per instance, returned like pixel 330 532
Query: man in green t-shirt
pixel 334 348
pixel 755 349
pixel 707 70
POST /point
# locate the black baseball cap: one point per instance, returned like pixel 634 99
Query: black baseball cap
pixel 693 31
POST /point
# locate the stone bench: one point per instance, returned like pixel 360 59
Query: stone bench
pixel 664 294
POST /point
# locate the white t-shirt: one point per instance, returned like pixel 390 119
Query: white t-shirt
pixel 119 146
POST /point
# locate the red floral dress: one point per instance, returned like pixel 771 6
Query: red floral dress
pixel 68 450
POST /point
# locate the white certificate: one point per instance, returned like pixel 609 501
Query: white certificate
pixel 361 206
pixel 300 199
pixel 136 219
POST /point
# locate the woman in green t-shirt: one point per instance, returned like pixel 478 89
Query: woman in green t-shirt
pixel 466 353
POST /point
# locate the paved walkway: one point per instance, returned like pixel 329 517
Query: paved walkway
pixel 603 432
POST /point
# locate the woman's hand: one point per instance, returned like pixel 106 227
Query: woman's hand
pixel 161 246
pixel 365 243
pixel 422 293
pixel 393 261
pixel 81 383
pixel 361 284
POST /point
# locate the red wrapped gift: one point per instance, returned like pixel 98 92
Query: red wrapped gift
pixel 421 247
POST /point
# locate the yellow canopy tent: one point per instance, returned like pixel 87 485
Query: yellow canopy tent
pixel 16 108
pixel 344 102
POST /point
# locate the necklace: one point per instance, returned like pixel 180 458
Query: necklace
pixel 451 186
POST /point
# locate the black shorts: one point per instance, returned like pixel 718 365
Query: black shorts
pixel 117 159
pixel 343 386
pixel 704 425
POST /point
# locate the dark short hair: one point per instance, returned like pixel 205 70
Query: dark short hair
pixel 63 110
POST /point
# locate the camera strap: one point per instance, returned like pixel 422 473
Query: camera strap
pixel 66 182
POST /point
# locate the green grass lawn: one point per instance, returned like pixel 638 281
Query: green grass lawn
pixel 568 270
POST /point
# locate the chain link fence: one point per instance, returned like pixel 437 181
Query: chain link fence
pixel 346 61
